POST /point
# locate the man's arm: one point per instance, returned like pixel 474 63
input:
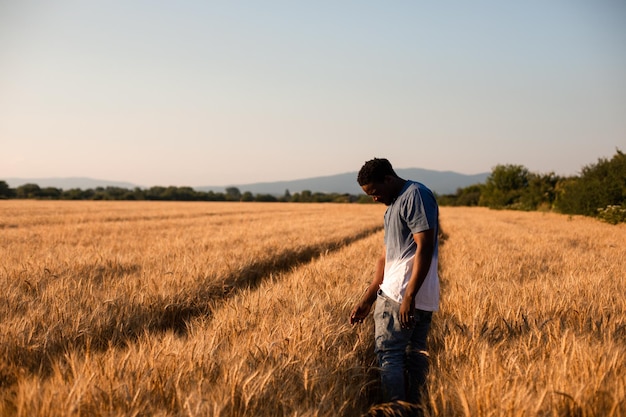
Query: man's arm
pixel 362 309
pixel 425 246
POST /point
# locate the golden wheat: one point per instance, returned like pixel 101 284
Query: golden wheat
pixel 231 309
pixel 533 317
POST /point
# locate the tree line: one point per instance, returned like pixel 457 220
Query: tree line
pixel 599 191
pixel 171 193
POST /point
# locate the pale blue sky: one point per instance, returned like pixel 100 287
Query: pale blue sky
pixel 233 92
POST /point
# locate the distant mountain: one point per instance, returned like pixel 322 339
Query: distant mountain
pixel 68 183
pixel 441 182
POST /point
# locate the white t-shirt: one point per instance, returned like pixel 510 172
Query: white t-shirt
pixel 414 210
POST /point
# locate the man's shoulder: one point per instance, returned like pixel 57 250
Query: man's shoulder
pixel 417 187
pixel 420 194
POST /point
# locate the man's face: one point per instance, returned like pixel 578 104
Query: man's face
pixel 379 191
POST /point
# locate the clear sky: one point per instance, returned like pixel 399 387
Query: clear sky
pixel 233 92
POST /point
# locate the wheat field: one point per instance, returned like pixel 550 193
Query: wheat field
pixel 241 309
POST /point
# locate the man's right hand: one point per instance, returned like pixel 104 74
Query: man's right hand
pixel 360 312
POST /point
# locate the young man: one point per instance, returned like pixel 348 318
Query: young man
pixel 405 285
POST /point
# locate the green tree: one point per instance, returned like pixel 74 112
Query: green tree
pixel 115 193
pixel 28 191
pixel 468 196
pixel 187 194
pixel 213 196
pixel 505 186
pixel 306 196
pixel 6 191
pixel 72 194
pixel 540 193
pixel 599 186
pixel 136 194
pixel 100 193
pixel 233 194
pixel 286 197
pixel 268 198
pixel 50 193
pixel 155 193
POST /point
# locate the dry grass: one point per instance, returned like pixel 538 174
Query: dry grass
pixel 533 319
pixel 229 309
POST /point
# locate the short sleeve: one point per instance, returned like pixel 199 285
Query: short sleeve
pixel 420 210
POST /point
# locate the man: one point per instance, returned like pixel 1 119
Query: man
pixel 405 284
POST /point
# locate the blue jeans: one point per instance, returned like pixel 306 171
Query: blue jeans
pixel 401 352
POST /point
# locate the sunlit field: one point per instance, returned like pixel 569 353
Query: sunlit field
pixel 241 309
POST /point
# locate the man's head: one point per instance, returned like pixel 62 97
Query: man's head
pixel 378 180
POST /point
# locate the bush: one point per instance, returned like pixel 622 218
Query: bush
pixel 600 186
pixel 613 214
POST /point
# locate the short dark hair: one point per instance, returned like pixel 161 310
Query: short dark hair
pixel 375 170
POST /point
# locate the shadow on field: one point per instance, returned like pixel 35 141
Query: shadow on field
pixel 175 315
pixel 120 325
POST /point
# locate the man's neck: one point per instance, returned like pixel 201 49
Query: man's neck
pixel 398 185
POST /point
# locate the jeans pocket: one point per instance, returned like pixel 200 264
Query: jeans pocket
pixel 389 334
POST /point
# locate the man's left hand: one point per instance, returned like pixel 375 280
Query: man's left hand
pixel 407 313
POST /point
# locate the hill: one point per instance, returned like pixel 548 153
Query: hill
pixel 68 183
pixel 441 182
